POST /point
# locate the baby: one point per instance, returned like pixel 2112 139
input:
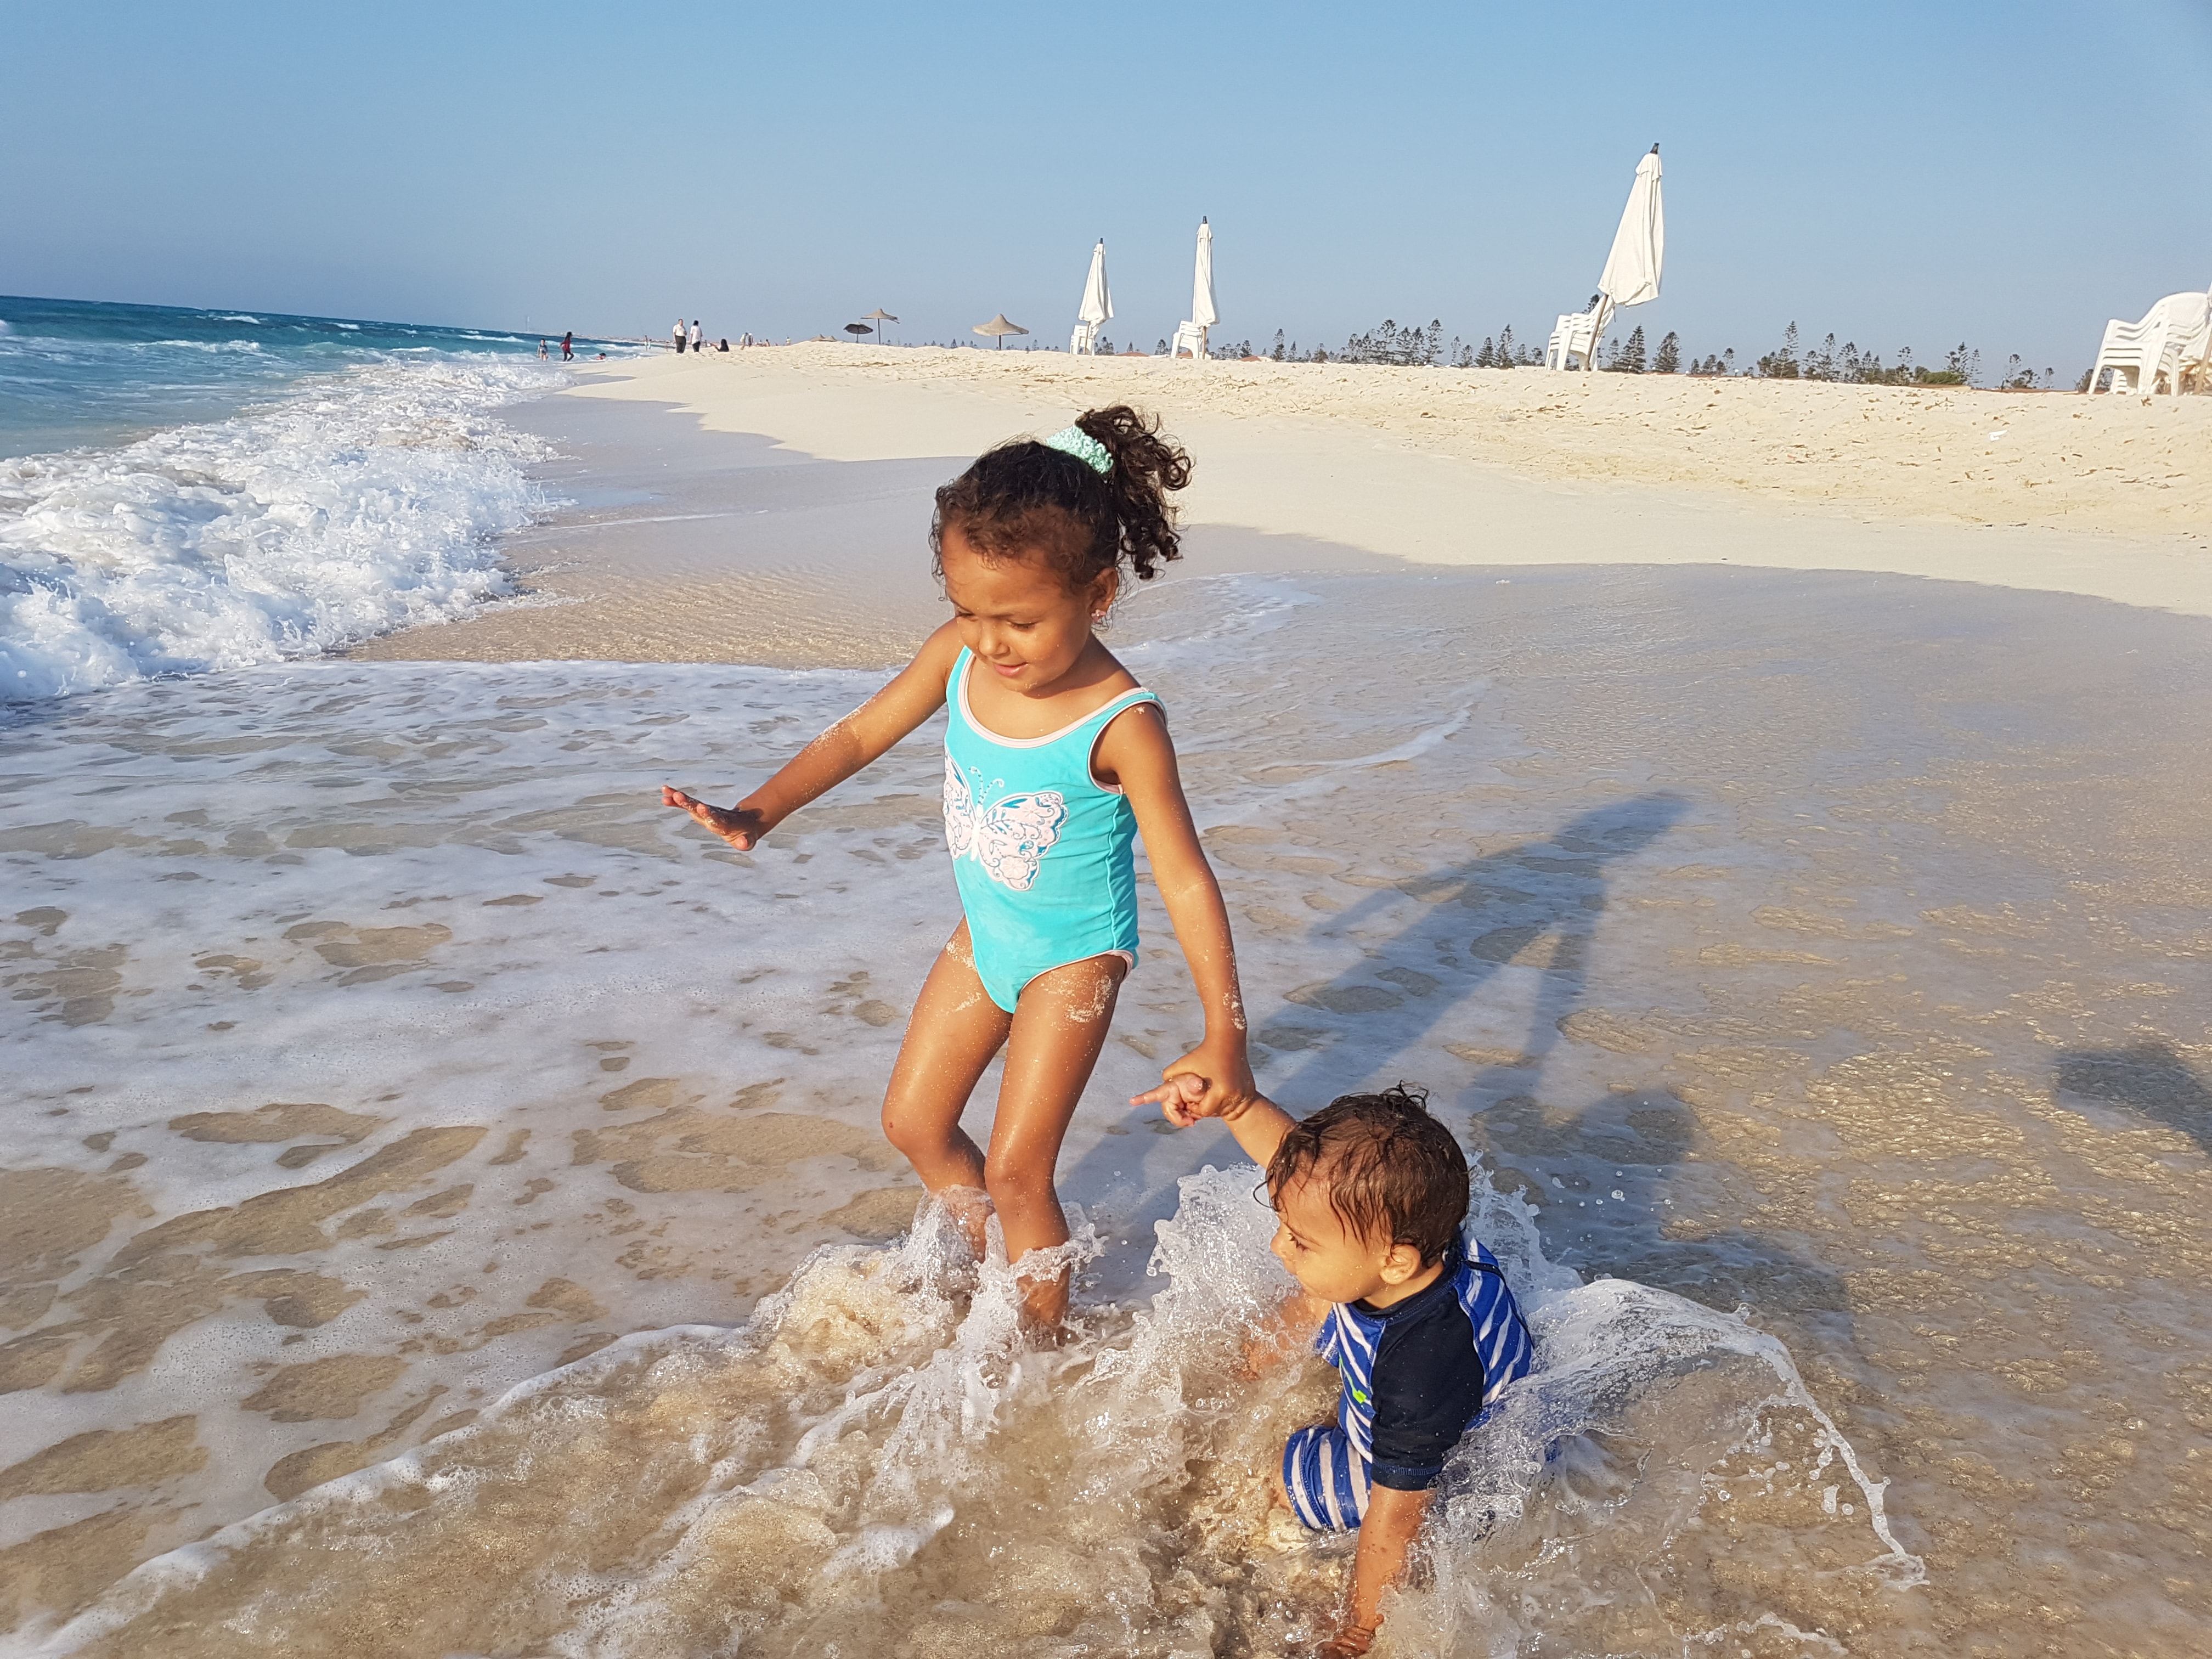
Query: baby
pixel 1370 1194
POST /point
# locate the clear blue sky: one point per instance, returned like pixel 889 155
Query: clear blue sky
pixel 1904 174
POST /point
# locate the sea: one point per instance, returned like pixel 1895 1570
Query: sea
pixel 183 490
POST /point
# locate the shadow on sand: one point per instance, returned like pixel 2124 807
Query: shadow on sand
pixel 2148 1080
pixel 1534 906
pixel 1456 929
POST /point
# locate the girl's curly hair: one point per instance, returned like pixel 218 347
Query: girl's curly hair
pixel 1025 498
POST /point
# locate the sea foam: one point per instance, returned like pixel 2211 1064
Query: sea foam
pixel 363 501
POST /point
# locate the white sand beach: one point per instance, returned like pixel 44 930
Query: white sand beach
pixel 1320 466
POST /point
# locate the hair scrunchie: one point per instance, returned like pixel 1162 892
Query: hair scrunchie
pixel 1075 441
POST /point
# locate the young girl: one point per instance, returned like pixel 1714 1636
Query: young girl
pixel 1055 756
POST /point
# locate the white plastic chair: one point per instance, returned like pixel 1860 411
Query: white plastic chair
pixel 1191 338
pixel 2170 345
pixel 1085 342
pixel 1576 335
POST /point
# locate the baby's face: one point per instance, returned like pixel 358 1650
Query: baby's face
pixel 1327 1260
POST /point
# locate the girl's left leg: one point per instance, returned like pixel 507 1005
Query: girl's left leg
pixel 1059 1025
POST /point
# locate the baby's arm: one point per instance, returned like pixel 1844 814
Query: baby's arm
pixel 861 738
pixel 1386 1535
pixel 1135 752
pixel 1256 1121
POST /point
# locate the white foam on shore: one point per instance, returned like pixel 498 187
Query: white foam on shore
pixel 443 902
pixel 361 502
pixel 877 1450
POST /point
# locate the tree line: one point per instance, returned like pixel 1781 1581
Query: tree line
pixel 1423 346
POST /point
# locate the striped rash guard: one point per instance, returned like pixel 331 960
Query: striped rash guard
pixel 1416 1377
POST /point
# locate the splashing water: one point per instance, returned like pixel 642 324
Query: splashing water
pixel 876 1464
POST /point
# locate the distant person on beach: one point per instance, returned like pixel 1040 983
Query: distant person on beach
pixel 569 348
pixel 680 336
pixel 543 355
pixel 1370 1199
pixel 1055 758
pixel 696 336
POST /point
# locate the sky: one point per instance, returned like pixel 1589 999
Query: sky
pixel 1905 174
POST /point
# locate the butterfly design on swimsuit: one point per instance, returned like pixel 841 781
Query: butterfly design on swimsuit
pixel 1010 837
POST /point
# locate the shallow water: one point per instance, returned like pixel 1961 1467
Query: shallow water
pixel 1835 948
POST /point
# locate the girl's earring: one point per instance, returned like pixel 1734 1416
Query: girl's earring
pixel 1097 617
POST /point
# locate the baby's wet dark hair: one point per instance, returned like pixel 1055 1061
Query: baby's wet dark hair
pixel 1393 1172
pixel 1025 498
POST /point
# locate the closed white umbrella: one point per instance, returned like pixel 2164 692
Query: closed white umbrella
pixel 1098 300
pixel 1640 246
pixel 1202 288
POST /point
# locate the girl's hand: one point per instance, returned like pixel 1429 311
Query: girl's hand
pixel 1226 1070
pixel 1256 1121
pixel 1179 1099
pixel 740 826
pixel 1349 1643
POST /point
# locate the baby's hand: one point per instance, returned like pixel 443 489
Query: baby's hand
pixel 739 826
pixel 1180 1099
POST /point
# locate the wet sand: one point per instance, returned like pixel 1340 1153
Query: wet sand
pixel 1831 945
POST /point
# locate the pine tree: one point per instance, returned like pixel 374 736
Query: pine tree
pixel 1670 360
pixel 1277 353
pixel 1630 361
pixel 1780 364
pixel 1507 357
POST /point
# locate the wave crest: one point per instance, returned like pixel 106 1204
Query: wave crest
pixel 363 501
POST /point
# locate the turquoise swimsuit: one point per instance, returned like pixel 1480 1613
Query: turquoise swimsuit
pixel 1040 849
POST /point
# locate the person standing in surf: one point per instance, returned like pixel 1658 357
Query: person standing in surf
pixel 1056 759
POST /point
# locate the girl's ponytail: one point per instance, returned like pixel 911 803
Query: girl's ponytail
pixel 1146 468
pixel 1027 499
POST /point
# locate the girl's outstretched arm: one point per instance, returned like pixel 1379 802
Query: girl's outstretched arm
pixel 1136 754
pixel 863 736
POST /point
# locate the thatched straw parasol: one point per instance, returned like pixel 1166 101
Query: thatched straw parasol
pixel 1000 327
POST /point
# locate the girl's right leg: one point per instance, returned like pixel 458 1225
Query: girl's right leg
pixel 952 1035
